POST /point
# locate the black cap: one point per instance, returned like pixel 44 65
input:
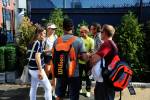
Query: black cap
pixel 68 24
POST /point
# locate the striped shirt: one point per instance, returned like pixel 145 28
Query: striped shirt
pixel 38 49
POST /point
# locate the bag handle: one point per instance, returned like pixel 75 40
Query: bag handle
pixel 32 50
pixel 102 63
pixel 115 59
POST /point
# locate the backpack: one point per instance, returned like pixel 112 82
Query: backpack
pixel 64 58
pixel 117 74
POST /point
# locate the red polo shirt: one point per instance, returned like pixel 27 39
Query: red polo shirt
pixel 107 51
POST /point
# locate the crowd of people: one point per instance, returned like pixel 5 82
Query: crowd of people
pixel 88 51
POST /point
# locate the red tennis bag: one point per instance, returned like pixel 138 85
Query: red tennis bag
pixel 117 74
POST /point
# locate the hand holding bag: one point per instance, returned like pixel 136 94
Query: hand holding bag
pixel 25 77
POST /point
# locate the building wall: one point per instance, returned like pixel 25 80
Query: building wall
pixel 8 17
pixel 10 10
pixel 21 6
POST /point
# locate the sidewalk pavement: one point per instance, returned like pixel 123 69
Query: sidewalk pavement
pixel 21 92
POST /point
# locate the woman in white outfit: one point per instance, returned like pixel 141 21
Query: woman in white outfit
pixel 36 65
pixel 49 41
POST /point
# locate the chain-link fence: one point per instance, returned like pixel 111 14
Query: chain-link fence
pixel 120 3
pixel 99 3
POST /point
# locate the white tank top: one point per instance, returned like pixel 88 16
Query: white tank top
pixel 49 42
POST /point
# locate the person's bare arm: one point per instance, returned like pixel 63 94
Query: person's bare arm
pixel 38 61
pixel 84 56
pixel 47 51
pixel 94 59
pixel 101 53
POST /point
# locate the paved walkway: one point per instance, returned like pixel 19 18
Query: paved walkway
pixel 20 92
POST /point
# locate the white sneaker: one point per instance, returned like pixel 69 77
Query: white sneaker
pixel 91 77
pixel 53 93
pixel 88 94
pixel 81 91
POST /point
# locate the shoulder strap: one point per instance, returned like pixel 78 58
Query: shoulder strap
pixel 59 40
pixel 102 63
pixel 114 46
pixel 32 50
pixel 71 40
pixel 116 57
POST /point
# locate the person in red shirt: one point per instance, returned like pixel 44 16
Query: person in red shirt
pixel 107 51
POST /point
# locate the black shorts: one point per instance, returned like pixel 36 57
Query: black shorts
pixel 73 87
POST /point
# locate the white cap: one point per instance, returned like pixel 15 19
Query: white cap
pixel 53 26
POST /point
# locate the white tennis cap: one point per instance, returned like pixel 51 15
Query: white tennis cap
pixel 53 26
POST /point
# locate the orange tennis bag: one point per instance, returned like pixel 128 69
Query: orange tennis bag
pixel 64 58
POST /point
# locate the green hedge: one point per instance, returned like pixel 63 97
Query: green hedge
pixel 10 58
pixel 2 59
pixel 10 45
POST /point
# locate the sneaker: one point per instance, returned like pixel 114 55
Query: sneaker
pixel 88 94
pixel 91 77
pixel 81 91
pixel 53 94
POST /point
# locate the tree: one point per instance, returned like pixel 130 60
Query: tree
pixel 79 25
pixel 130 40
pixel 57 18
pixel 26 31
